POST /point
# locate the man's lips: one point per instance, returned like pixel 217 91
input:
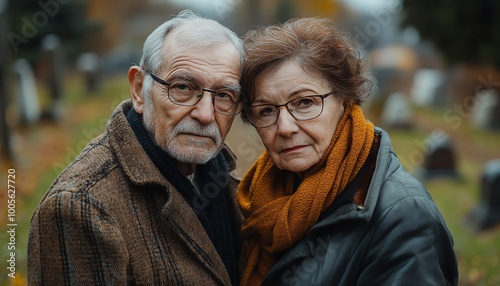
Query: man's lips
pixel 294 148
pixel 197 135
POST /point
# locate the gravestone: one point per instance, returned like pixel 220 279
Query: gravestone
pixel 494 123
pixel 486 112
pixel 439 159
pixel 487 213
pixel 88 64
pixel 25 92
pixel 53 58
pixel 428 87
pixel 397 112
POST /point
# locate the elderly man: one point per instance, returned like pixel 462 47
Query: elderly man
pixel 151 200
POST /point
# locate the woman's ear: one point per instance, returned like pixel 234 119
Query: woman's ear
pixel 136 79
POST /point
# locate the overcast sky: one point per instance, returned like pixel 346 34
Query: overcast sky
pixel 360 5
pixel 367 5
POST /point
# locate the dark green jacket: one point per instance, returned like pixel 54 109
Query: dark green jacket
pixel 397 238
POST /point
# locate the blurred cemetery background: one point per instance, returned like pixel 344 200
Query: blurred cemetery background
pixel 63 67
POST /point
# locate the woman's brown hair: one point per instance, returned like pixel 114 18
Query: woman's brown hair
pixel 317 45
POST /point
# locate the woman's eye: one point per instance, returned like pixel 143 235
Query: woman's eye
pixel 266 111
pixel 304 102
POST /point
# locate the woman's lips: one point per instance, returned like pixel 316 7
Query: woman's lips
pixel 294 148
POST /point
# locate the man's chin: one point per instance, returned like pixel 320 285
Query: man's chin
pixel 194 154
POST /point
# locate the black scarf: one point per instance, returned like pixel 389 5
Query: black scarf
pixel 210 204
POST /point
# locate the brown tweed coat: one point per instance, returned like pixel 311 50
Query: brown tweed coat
pixel 111 218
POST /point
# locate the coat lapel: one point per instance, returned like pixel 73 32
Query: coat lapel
pixel 181 218
pixel 186 225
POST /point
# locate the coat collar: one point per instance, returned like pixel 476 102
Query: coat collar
pixel 133 160
pixel 386 164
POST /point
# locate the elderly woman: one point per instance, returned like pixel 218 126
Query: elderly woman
pixel 328 202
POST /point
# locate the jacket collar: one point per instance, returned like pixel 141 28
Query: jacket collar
pixel 386 164
pixel 129 151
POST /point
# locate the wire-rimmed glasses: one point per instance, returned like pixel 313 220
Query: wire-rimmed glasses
pixel 226 101
pixel 301 108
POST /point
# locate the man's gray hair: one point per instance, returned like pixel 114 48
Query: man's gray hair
pixel 207 33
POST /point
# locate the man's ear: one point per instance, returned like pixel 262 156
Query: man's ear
pixel 136 79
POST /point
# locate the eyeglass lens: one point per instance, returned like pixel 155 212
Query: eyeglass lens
pixel 302 108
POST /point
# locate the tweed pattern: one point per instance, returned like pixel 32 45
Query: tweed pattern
pixel 111 218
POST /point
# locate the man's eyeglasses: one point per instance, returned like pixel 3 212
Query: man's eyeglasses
pixel 302 108
pixel 226 101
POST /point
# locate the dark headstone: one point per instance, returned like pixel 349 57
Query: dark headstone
pixel 439 160
pixel 494 123
pixel 487 213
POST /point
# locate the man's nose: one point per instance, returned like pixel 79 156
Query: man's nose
pixel 204 110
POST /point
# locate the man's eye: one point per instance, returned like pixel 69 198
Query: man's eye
pixel 224 95
pixel 182 87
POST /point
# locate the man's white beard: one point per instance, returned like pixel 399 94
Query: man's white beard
pixel 203 153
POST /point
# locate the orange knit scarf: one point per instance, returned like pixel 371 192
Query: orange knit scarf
pixel 275 216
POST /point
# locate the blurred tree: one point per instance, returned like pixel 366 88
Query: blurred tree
pixel 288 9
pixel 30 22
pixel 463 31
pixel 116 24
pixel 5 150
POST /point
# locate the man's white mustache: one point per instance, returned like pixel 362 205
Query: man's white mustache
pixel 195 128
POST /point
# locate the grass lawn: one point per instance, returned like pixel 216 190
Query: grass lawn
pixel 478 253
pixel 42 151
